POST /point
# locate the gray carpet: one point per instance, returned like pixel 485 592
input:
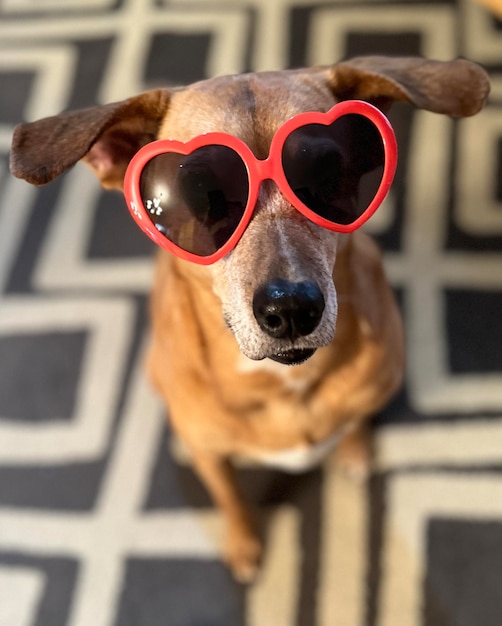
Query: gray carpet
pixel 102 522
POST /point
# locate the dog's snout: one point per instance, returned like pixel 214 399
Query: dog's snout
pixel 288 310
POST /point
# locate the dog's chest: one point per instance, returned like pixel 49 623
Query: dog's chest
pixel 298 458
pixel 297 383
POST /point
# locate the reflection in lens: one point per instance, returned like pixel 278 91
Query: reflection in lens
pixel 196 200
pixel 335 170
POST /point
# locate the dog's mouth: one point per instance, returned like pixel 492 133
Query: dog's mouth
pixel 292 357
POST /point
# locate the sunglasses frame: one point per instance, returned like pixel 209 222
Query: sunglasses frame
pixel 259 170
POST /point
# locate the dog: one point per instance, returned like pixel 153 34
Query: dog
pixel 217 359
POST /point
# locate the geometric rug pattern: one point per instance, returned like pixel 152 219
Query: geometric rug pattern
pixel 102 521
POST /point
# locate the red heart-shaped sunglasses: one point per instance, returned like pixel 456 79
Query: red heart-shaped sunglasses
pixel 196 199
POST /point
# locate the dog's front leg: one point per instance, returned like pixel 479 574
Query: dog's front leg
pixel 353 455
pixel 243 548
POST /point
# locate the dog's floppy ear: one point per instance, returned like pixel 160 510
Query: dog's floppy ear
pixel 458 88
pixel 106 137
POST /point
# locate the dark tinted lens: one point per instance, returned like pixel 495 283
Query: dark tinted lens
pixel 198 200
pixel 335 170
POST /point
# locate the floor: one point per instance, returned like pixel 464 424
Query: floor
pixel 102 521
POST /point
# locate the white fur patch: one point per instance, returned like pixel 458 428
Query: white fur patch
pixel 300 458
pixel 293 460
pixel 292 381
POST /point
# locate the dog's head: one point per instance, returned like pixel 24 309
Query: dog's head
pixel 276 286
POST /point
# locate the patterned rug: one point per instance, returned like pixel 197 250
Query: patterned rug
pixel 102 522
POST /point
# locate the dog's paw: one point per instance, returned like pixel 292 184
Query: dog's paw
pixel 353 456
pixel 243 555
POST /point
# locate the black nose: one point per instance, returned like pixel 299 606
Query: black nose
pixel 286 310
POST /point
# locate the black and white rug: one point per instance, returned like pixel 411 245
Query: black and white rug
pixel 102 523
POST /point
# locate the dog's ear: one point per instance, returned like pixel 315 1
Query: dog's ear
pixel 458 88
pixel 105 137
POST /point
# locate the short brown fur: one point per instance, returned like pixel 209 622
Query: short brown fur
pixel 221 403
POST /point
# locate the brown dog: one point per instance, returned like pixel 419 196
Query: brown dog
pixel 208 347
